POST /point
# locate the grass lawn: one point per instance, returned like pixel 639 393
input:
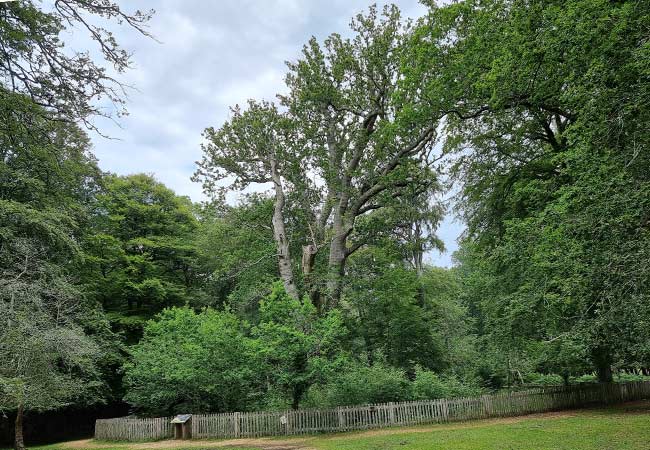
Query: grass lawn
pixel 625 427
pixel 597 430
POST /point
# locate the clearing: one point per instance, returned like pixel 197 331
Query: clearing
pixel 622 427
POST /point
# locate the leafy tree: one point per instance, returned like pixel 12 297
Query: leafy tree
pixel 236 255
pixel 450 321
pixel 47 359
pixel 546 131
pixel 255 147
pixel 142 251
pixel 297 347
pixel 410 319
pixel 387 313
pixel 47 180
pixel 208 361
pixel 188 361
pixel 348 146
pixel 368 147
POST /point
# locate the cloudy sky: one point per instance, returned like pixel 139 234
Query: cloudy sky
pixel 211 55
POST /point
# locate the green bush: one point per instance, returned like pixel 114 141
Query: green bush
pixel 429 385
pixel 360 385
pixel 196 362
pixel 542 379
pixel 625 377
pixel 586 378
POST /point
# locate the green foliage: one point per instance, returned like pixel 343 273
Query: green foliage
pixel 52 338
pixel 211 361
pixel 348 161
pixel 412 320
pixel 543 110
pixel 188 361
pixel 55 342
pixel 360 384
pixel 297 346
pixel 541 379
pixel 141 254
pixel 430 385
pixel 236 255
pixel 547 151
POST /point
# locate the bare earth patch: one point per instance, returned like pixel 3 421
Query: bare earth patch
pixel 263 443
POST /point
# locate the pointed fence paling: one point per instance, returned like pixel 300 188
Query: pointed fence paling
pixel 134 429
pixel 310 421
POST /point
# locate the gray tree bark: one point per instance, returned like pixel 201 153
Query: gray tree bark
pixel 280 234
pixel 341 228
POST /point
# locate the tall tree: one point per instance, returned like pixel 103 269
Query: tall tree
pixel 347 146
pixel 368 148
pixel 546 136
pixel 48 179
pixel 141 250
pixel 255 148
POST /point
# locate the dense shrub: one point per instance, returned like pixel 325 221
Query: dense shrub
pixel 361 385
pixel 192 362
pixel 430 385
pixel 543 379
pixel 623 377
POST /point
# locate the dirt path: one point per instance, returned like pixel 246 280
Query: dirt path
pixel 262 443
pixel 303 443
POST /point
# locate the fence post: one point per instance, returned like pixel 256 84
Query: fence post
pixel 391 413
pixel 487 405
pixel 236 423
pixel 341 417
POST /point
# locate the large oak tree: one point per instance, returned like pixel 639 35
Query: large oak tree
pixel 347 146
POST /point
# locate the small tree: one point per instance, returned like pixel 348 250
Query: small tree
pixel 46 359
pixel 192 362
pixel 298 347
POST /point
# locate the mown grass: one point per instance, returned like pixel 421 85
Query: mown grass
pixel 621 428
pixel 597 430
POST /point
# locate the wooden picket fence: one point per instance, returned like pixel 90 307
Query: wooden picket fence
pixel 309 421
pixel 134 429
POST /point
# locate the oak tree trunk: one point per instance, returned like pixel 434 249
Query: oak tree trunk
pixel 280 235
pixel 336 269
pixel 308 260
pixel 605 373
